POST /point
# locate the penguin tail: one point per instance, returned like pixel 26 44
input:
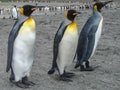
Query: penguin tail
pixel 51 71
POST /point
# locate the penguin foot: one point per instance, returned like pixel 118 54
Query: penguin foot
pixel 69 74
pixel 82 68
pixel 12 80
pixel 21 85
pixel 89 68
pixel 26 82
pixel 64 78
pixel 18 84
pixel 51 71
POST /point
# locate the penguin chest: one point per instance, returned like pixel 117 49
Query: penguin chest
pixel 68 46
pixel 97 35
pixel 24 44
pixel 14 12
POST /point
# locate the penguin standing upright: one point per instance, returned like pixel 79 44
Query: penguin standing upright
pixel 89 37
pixel 21 47
pixel 14 12
pixel 65 45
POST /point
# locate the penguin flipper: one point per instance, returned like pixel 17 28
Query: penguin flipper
pixel 91 42
pixel 57 40
pixel 81 49
pixel 13 34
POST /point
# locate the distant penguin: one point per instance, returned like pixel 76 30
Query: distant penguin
pixel 89 37
pixel 21 47
pixel 14 12
pixel 65 46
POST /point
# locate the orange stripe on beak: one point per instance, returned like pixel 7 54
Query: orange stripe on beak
pixel 75 14
pixel 33 9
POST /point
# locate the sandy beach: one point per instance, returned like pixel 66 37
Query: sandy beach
pixel 106 57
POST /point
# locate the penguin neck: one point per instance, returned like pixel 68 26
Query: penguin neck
pixel 97 14
pixel 21 16
pixel 67 21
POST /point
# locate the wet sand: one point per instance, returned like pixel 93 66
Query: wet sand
pixel 106 57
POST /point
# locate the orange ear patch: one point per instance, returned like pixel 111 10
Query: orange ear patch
pixel 22 11
pixel 95 7
pixel 33 9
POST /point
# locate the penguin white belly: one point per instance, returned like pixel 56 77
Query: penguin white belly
pixel 97 35
pixel 23 54
pixel 14 12
pixel 67 49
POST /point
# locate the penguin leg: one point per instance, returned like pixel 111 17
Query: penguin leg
pixel 88 67
pixel 18 83
pixel 68 74
pixel 82 68
pixel 64 78
pixel 52 70
pixel 12 76
pixel 21 85
pixel 26 82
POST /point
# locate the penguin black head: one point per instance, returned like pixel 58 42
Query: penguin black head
pixel 14 5
pixel 98 5
pixel 27 10
pixel 71 14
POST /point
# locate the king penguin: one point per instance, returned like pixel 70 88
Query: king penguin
pixel 89 37
pixel 21 48
pixel 14 12
pixel 65 46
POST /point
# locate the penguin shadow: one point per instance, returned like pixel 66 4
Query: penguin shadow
pixel 77 72
pixel 57 78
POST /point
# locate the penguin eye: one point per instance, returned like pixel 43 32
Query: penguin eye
pixel 95 7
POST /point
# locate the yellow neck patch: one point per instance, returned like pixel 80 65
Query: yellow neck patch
pixel 95 7
pixel 28 26
pixel 71 29
pixel 72 25
pixel 22 11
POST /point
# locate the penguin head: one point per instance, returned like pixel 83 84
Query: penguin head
pixel 14 5
pixel 71 14
pixel 99 5
pixel 27 10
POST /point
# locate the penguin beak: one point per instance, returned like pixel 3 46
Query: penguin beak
pixel 75 14
pixel 105 3
pixel 35 8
